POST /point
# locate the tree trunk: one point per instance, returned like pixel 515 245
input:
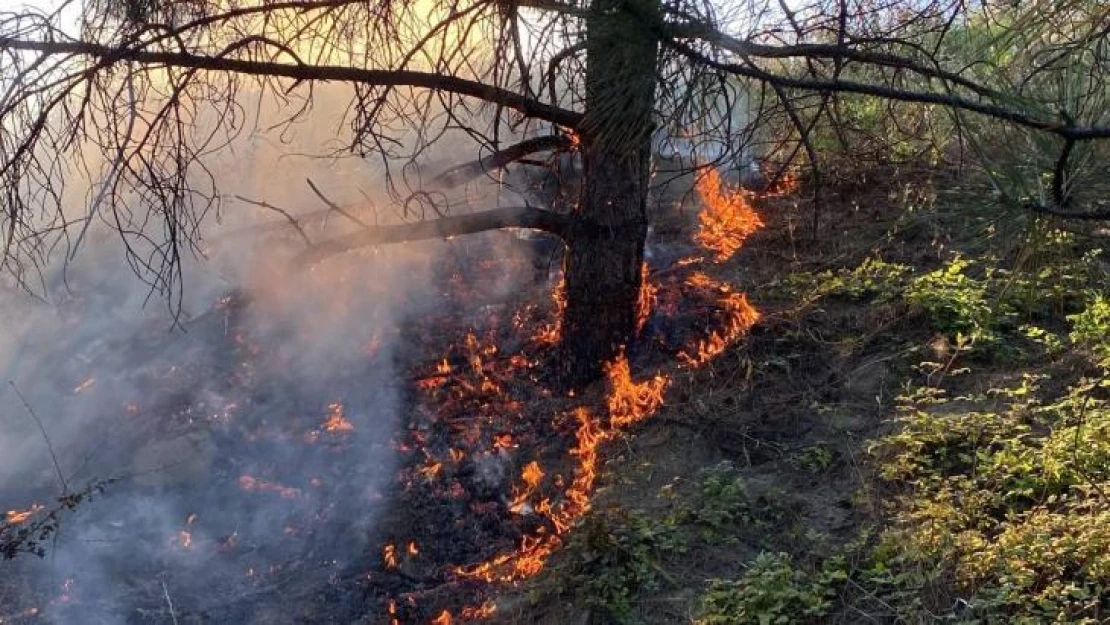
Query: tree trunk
pixel 609 227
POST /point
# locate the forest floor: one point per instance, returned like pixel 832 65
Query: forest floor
pixel 915 431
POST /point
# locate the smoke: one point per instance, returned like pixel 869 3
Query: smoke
pixel 249 431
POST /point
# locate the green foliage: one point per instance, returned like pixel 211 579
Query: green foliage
pixel 814 459
pixel 955 303
pixel 723 506
pixel 1091 329
pixel 771 591
pixel 1002 502
pixel 614 557
pixel 873 279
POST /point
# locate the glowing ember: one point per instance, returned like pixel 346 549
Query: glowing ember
pixel 336 422
pixel 252 484
pixel 787 184
pixel 19 517
pixel 551 333
pixel 478 613
pixel 647 299
pixel 18 616
pixel 630 402
pixel 389 556
pixel 727 220
pixel 413 549
pixel 182 540
pixel 444 618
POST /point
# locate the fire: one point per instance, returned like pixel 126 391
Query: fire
pixel 251 484
pixel 19 517
pixel 413 549
pixel 647 300
pixel 738 317
pixel 630 402
pixel 393 612
pixel 444 618
pixel 336 422
pixel 478 613
pixel 534 550
pixel 389 556
pixel 531 475
pixel 183 539
pixel 727 220
pixel 551 333
pixel 787 184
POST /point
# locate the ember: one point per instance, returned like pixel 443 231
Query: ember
pixel 647 300
pixel 252 484
pixel 19 517
pixel 336 422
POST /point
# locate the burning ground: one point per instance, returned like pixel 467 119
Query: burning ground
pixel 278 470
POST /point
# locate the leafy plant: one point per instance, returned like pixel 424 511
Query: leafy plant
pixel 1091 329
pixel 615 556
pixel 956 303
pixel 771 591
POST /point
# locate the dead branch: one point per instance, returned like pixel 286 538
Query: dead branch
pixel 510 217
pixel 45 436
pixel 281 211
pixel 109 55
pixel 332 205
pixel 460 174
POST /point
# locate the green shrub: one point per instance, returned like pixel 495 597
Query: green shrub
pixel 771 591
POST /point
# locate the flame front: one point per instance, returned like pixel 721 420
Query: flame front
pixel 728 218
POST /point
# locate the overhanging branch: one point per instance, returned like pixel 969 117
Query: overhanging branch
pixel 1076 133
pixel 495 219
pixel 108 55
pixel 460 174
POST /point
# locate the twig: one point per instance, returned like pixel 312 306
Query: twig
pixel 45 436
pixel 169 602
pixel 281 211
pixel 332 205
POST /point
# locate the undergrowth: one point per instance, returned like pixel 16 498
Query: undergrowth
pixel 995 479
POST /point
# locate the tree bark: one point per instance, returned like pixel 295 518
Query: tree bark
pixel 605 246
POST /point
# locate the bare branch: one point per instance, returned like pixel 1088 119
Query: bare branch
pixel 510 217
pixel 460 174
pixel 281 211
pixel 108 55
pixel 45 436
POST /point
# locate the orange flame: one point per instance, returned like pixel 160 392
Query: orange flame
pixel 630 402
pixel 552 333
pixel 532 475
pixel 336 422
pixel 85 385
pixel 739 317
pixel 252 484
pixel 19 517
pixel 647 300
pixel 727 220
pixel 478 613
pixel 389 556
pixel 444 618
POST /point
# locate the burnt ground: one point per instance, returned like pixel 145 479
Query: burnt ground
pixel 787 412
